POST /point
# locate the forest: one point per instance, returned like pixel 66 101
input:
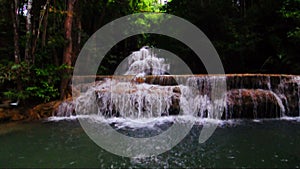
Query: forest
pixel 40 39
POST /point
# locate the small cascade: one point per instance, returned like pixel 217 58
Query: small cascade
pixel 146 62
pixel 145 90
pixel 66 109
pixel 126 99
pixel 296 86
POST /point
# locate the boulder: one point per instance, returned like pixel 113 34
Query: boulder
pixel 175 106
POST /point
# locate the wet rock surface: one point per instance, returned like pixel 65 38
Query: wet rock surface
pixel 252 103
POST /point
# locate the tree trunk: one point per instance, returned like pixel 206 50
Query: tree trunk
pixel 243 8
pixel 103 12
pixel 77 36
pixel 45 24
pixel 42 19
pixel 15 21
pixel 28 57
pixel 68 51
pixel 15 18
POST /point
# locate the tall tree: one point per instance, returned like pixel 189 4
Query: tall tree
pixel 68 50
pixel 28 55
pixel 15 22
pixel 43 20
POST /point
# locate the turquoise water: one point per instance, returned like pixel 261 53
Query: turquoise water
pixel 56 144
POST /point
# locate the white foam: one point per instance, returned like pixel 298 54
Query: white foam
pixel 287 118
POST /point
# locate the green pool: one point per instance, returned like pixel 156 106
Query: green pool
pixel 57 144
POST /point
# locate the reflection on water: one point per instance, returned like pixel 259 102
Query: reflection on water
pixel 264 143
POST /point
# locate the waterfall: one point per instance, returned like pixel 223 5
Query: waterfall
pixel 145 90
pixel 145 62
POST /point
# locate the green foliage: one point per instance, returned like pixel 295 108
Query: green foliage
pixel 13 72
pixel 291 11
pixel 290 54
pixel 46 84
pixel 37 82
pixel 10 75
pixel 17 95
pixel 145 5
pixel 149 6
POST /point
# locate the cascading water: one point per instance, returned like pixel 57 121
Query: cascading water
pixel 135 99
pixel 145 62
pixel 126 99
pixel 145 90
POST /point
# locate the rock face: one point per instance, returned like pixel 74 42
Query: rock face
pixel 285 87
pixel 175 102
pixel 253 103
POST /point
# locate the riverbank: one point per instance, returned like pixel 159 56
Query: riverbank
pixel 17 114
pixel 29 113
